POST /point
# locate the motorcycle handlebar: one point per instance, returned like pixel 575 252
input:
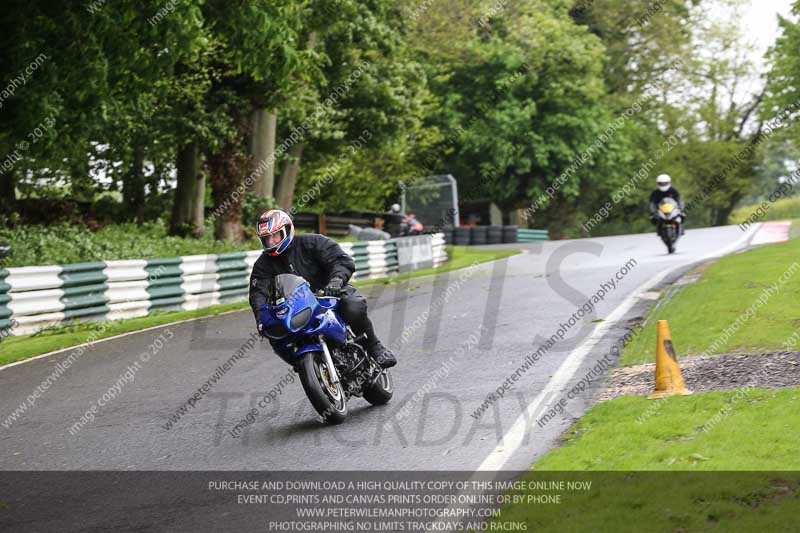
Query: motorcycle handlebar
pixel 321 294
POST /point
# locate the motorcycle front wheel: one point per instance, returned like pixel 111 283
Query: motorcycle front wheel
pixel 327 398
pixel 669 238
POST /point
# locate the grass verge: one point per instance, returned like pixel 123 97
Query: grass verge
pixel 25 346
pixel 745 429
pixel 717 460
pixel 729 291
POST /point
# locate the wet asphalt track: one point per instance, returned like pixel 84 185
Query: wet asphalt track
pixel 493 318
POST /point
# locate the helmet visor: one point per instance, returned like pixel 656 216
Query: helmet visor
pixel 270 241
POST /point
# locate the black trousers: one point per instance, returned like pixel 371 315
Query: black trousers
pixel 353 308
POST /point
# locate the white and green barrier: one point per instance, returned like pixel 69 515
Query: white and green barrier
pixel 531 235
pixel 32 298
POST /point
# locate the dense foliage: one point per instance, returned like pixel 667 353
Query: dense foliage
pixel 186 115
pixel 69 243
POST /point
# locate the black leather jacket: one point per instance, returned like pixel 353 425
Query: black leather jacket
pixel 658 195
pixel 316 258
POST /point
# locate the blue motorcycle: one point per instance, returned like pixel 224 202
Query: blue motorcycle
pixel 309 334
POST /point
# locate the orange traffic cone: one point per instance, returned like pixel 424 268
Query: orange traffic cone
pixel 669 381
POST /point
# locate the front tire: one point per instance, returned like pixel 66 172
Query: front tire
pixel 380 391
pixel 328 399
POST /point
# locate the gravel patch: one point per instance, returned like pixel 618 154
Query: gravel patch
pixel 773 370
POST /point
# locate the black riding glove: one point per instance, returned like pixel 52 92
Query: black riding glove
pixel 334 287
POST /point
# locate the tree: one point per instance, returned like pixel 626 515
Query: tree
pixel 521 95
pixel 366 82
pixel 643 39
pixel 107 83
pixel 700 68
pixel 782 98
pixel 724 147
pixel 259 56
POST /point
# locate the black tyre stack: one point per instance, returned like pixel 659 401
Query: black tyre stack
pixel 479 235
pixel 448 235
pixel 495 235
pixel 461 236
pixel 510 234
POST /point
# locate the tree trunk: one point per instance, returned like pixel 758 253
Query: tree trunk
pixel 185 190
pixel 228 230
pixel 284 190
pixel 721 214
pixel 262 148
pixel 199 206
pixel 560 214
pixel 8 192
pixel 133 186
pixel 228 169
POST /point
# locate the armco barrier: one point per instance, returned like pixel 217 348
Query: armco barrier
pixel 32 298
pixel 531 235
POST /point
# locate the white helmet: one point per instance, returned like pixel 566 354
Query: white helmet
pixel 663 182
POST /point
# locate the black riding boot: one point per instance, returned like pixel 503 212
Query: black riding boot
pixel 375 348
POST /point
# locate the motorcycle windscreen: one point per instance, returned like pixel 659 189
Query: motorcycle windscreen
pixel 668 208
pixel 283 286
pixel 289 296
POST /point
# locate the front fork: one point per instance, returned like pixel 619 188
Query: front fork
pixel 329 361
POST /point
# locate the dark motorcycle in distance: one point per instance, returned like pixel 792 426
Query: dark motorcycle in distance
pixel 332 364
pixel 668 223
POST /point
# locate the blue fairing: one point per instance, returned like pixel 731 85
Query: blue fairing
pixel 312 317
pixel 307 348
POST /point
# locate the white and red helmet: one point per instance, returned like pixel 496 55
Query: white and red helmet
pixel 275 230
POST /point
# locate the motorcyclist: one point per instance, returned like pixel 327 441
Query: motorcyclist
pixel 321 262
pixel 412 226
pixel 664 189
pixel 409 224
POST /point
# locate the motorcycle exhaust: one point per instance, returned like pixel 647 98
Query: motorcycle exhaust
pixel 329 361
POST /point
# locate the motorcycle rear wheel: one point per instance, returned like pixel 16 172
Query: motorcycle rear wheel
pixel 380 391
pixel 327 398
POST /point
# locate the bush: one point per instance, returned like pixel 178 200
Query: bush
pixel 784 209
pixel 69 243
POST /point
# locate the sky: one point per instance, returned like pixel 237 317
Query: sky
pixel 758 19
pixel 760 22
